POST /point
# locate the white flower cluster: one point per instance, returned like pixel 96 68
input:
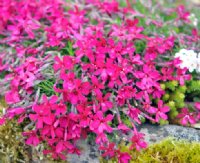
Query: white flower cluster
pixel 190 60
pixel 193 19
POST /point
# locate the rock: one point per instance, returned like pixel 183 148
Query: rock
pixel 197 125
pixel 155 133
pixel 89 154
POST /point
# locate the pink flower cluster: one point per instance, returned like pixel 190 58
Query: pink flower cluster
pixel 188 117
pixel 104 79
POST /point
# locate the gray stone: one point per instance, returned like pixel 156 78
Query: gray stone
pixel 153 133
pixel 89 154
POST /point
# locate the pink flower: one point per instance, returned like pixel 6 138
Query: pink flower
pixel 147 106
pixel 125 93
pixel 32 138
pixel 197 105
pixel 148 77
pixel 81 89
pixel 157 46
pixel 58 64
pixel 101 139
pixel 104 102
pixel 99 123
pixel 160 113
pixel 123 157
pixel 85 114
pixel 43 113
pixel 67 63
pixel 97 86
pixel 60 109
pixel 137 141
pixel 186 117
pixel 134 114
pixel 74 90
pixel 182 76
pixel 69 80
pixel 123 128
pixel 167 73
pixel 109 7
pixel 54 154
pixel 12 112
pixel 12 97
pixel 109 150
pixel 63 145
pixel 104 70
pixel 2 121
pixel 182 13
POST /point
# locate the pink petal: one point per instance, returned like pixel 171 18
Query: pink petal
pixel 2 121
pixel 163 116
pixel 68 145
pixel 21 119
pixel 33 117
pixel 12 97
pixel 48 120
pixel 94 124
pixel 59 132
pixel 123 127
pixel 197 105
pixel 17 111
pixel 101 127
pixel 109 117
pixel 184 121
pixel 53 99
pixel 39 123
pixel 152 110
pixel 59 147
pixel 165 109
pixel 192 120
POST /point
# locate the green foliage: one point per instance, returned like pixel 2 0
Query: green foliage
pixel 193 91
pixel 68 50
pixel 163 122
pixel 46 87
pixel 166 151
pixel 194 86
pixel 174 97
pixel 3 74
pixel 141 8
pixel 125 119
pixel 118 21
pixel 140 46
pixel 169 17
pixel 2 103
pixel 171 85
pixel 12 148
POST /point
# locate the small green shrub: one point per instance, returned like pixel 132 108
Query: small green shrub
pixel 174 97
pixel 12 148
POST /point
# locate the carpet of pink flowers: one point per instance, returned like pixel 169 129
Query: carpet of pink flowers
pixel 102 78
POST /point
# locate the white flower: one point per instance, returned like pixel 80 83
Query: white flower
pixel 198 63
pixel 181 53
pixel 193 19
pixel 190 60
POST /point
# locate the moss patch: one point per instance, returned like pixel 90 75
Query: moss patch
pixel 166 151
